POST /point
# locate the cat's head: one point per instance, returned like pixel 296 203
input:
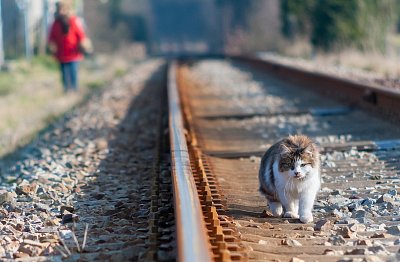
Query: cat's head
pixel 298 156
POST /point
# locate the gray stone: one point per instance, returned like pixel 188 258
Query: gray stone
pixel 388 206
pixel 368 202
pixel 365 220
pixel 363 242
pixel 357 251
pixel 378 235
pixel 347 220
pixel 346 232
pixel 331 252
pixel 323 225
pixel 339 201
pixel 360 213
pixel 393 230
pixel 338 214
pixel 64 208
pixel 69 218
pixel 337 240
pixel 385 198
pixel 336 192
pixel 42 207
pixel 6 197
pixel 353 206
pixel 357 227
pixel 378 250
pixel 291 243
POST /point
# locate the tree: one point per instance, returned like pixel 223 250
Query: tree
pixel 335 22
pixel 377 18
pixel 338 24
pixel 295 17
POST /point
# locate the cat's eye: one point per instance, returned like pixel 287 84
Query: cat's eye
pixel 303 165
pixel 292 168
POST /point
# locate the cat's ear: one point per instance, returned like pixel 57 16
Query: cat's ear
pixel 309 152
pixel 284 150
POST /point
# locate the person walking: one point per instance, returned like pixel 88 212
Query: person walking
pixel 68 42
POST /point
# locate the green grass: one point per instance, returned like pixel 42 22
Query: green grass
pixel 45 62
pixel 96 84
pixel 31 96
pixel 395 40
pixel 119 72
pixel 7 83
pixel 368 68
pixel 23 69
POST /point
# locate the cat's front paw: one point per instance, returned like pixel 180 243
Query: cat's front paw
pixel 291 214
pixel 306 219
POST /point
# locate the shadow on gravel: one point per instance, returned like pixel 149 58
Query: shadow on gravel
pixel 120 202
pixel 112 143
pixel 243 211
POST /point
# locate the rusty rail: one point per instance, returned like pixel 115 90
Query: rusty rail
pixel 365 95
pixel 192 239
pixel 372 157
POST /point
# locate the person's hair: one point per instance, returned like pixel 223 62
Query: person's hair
pixel 63 17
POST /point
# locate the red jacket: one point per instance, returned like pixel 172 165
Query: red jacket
pixel 67 44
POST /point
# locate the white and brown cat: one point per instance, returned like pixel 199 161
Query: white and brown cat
pixel 290 177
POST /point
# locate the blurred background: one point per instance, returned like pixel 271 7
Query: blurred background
pixel 293 27
pixel 351 34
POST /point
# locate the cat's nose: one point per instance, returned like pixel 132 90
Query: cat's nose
pixel 297 174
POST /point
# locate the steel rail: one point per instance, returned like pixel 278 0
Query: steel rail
pixel 367 95
pixel 266 238
pixel 192 238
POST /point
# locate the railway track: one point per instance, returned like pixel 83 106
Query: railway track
pixel 97 185
pixel 224 114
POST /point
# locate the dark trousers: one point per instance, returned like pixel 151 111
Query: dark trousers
pixel 69 74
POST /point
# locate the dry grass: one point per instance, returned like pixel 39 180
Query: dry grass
pixel 32 95
pixel 298 48
pixel 374 62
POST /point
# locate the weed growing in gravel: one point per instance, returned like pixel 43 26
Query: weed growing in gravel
pixel 119 72
pixel 95 84
pixel 66 251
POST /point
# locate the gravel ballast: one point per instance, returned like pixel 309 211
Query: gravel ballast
pixel 83 190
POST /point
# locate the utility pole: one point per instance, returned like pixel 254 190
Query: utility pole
pixel 45 25
pixel 1 40
pixel 46 15
pixel 23 6
pixel 28 49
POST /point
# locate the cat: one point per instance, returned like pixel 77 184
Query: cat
pixel 289 177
